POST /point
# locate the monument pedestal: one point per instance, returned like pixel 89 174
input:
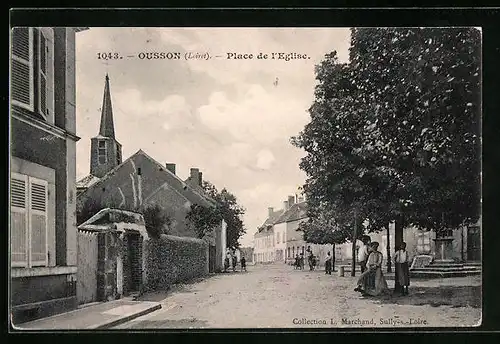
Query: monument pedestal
pixel 444 250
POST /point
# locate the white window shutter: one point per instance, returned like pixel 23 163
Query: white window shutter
pixel 19 220
pixel 43 47
pixel 22 91
pixel 38 221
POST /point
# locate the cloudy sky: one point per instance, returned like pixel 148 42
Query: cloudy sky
pixel 225 117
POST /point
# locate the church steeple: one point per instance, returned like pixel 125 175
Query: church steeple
pixel 106 152
pixel 107 126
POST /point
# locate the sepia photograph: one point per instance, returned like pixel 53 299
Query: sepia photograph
pixel 245 177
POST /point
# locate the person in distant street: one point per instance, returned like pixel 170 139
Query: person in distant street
pixel 402 273
pixel 301 261
pixel 364 251
pixel 328 264
pixel 235 261
pixel 297 262
pixel 226 261
pixel 243 263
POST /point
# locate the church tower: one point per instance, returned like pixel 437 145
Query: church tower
pixel 105 151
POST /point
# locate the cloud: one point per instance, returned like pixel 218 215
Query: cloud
pixel 265 159
pixel 259 115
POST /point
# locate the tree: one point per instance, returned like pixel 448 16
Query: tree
pixel 230 211
pixel 394 135
pixel 203 219
pixel 156 220
pixel 425 87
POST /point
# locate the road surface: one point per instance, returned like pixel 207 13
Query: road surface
pixel 277 296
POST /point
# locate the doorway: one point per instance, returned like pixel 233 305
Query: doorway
pixel 473 243
pixel 133 264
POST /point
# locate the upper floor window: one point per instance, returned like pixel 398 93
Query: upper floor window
pixel 102 156
pixel 277 238
pixel 32 70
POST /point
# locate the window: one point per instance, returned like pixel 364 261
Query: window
pixel 32 71
pixel 102 156
pixel 424 242
pixel 29 200
pixel 119 156
pixel 22 67
pixel 277 238
pixel 445 233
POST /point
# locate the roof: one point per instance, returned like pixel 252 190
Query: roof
pixel 295 212
pixel 87 181
pixel 199 189
pixel 179 185
pixel 270 221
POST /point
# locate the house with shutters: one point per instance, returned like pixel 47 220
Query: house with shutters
pixel 264 240
pixel 141 181
pixel 42 172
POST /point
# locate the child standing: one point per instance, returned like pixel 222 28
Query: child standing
pixel 402 275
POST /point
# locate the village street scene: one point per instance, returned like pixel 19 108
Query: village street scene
pixel 186 178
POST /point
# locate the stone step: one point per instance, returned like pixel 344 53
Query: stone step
pixel 432 268
pixel 440 274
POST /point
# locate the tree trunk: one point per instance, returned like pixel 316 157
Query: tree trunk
pixel 354 238
pixel 333 257
pixel 398 239
pixel 389 266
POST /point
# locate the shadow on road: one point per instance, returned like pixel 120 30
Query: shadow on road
pixel 181 323
pixel 454 296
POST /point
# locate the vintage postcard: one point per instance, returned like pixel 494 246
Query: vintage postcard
pixel 245 178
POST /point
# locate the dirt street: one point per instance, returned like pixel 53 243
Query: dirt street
pixel 280 297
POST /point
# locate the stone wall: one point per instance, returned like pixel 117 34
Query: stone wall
pixel 171 259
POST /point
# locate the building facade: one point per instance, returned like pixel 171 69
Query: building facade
pixel 42 172
pixel 460 245
pixel 264 238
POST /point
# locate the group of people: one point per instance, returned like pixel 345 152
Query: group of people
pixel 372 281
pixel 232 259
pixel 313 261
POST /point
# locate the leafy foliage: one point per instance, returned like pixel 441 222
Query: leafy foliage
pixel 228 209
pixel 203 219
pixel 156 219
pixel 396 131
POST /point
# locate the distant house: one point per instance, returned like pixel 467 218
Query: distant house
pixel 264 241
pixel 140 181
pixel 294 243
pixel 43 172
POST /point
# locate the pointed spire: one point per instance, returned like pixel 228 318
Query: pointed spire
pixel 107 126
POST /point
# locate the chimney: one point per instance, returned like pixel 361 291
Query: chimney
pixel 200 179
pixel 170 167
pixel 291 200
pixel 194 176
pixel 270 211
pixel 285 205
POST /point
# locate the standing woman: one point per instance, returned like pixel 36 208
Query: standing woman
pixel 402 275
